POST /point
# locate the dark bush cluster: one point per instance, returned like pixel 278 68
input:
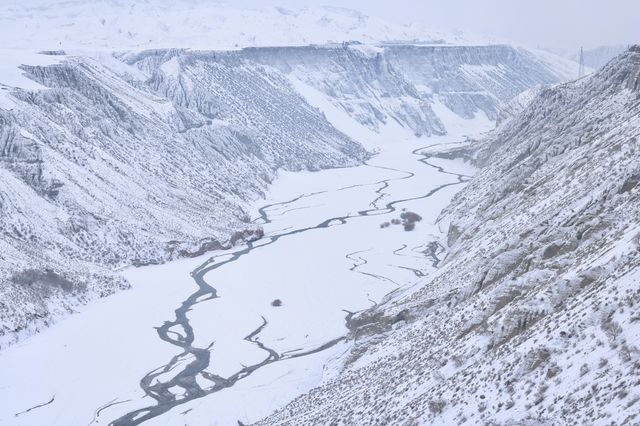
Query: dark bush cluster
pixel 407 220
pixel 410 217
pixel 44 279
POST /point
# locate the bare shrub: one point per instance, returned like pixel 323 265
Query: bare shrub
pixel 409 226
pixel 437 406
pixel 410 217
pixel 584 369
pixel 46 279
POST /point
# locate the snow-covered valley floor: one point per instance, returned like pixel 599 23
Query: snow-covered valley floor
pixel 197 341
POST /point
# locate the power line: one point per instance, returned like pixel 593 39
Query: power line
pixel 581 68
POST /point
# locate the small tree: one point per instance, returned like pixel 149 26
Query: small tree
pixel 410 217
pixel 409 226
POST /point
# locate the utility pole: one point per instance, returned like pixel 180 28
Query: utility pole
pixel 581 68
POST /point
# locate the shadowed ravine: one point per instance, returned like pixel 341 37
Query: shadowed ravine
pixel 183 370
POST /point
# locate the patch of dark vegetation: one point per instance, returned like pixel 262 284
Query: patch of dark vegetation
pixel 407 219
pixel 409 226
pixel 54 189
pixel 276 303
pixel 403 315
pixel 45 279
pixel 53 52
pixel 410 217
pixel 437 406
pixel 630 183
pixel 551 251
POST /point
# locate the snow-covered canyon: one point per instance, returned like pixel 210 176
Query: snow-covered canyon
pixel 226 354
pixel 140 157
pixel 211 215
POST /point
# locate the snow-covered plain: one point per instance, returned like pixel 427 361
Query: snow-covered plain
pixel 319 274
pixel 197 24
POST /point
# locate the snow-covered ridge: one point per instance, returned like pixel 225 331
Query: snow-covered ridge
pixel 98 173
pixel 533 317
pixel 197 24
pixel 416 86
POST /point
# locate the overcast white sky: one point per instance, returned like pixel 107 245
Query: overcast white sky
pixel 543 23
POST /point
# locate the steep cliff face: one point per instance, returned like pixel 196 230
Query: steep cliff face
pixel 20 154
pixel 224 87
pixel 361 82
pixel 408 84
pixel 470 79
pixel 97 173
pixel 533 316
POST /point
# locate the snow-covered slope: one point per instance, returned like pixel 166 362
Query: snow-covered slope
pixel 532 319
pixel 96 173
pixel 196 24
